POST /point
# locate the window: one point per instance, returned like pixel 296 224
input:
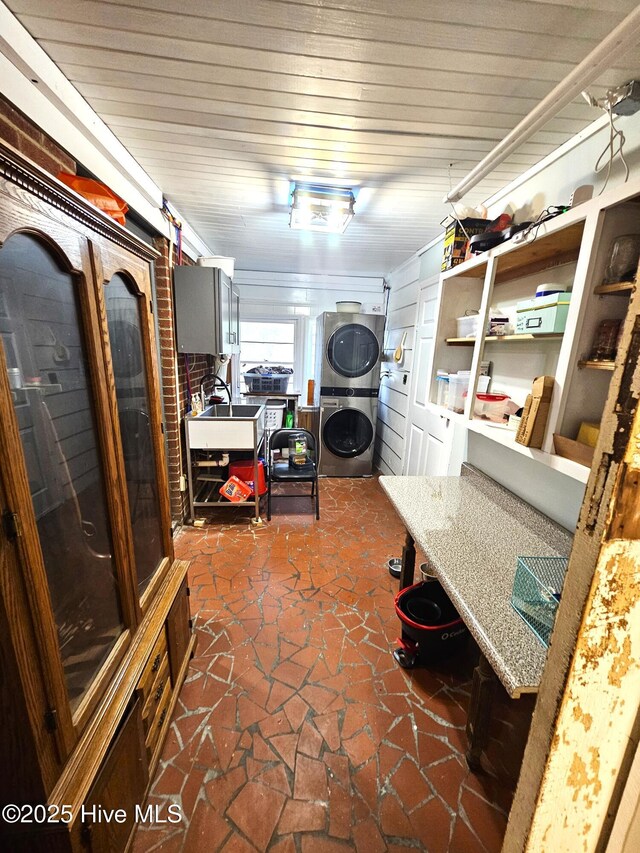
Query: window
pixel 268 343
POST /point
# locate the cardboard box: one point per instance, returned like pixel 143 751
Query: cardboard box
pixel 455 242
pixel 574 450
pixel 536 412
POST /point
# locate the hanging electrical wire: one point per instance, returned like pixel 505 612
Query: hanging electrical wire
pixel 177 224
pixel 616 138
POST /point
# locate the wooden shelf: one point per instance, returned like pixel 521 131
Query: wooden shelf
pixel 554 249
pixel 620 288
pixel 597 365
pixel 507 438
pixel 469 342
pixel 474 267
pixel 560 245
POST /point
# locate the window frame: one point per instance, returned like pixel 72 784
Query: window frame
pixel 298 349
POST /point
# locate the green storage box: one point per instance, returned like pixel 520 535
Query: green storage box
pixel 543 315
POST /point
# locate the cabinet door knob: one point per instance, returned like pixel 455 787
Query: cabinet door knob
pixel 162 718
pixel 159 692
pixel 156 663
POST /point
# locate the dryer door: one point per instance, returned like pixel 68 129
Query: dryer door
pixel 347 433
pixel 353 350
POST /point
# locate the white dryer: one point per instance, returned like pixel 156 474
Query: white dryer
pixel 348 352
pixel 347 432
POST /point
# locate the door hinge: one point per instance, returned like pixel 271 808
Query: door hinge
pixel 191 624
pixel 12 525
pixel 51 720
pixel 161 427
pixel 151 306
pixel 188 593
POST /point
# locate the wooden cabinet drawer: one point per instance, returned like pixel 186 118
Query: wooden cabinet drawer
pixel 153 665
pixel 158 720
pixel 179 630
pixel 160 686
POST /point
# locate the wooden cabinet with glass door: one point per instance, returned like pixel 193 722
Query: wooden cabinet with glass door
pixel 88 577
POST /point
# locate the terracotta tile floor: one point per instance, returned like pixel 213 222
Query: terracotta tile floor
pixel 296 730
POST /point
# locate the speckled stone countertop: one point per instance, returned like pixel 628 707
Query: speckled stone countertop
pixel 472 530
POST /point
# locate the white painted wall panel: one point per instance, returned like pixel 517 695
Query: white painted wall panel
pixel 401 310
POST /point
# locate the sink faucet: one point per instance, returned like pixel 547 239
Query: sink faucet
pixel 217 380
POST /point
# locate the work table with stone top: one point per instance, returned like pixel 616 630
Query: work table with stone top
pixel 472 530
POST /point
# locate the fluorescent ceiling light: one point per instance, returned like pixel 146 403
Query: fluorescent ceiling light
pixel 321 208
pixel 602 57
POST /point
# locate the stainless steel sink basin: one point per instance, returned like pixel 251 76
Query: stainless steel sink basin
pixel 216 429
pixel 238 412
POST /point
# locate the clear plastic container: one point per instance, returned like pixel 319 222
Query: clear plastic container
pixel 468 325
pixel 442 388
pixel 623 261
pixel 297 451
pixel 483 384
pixel 491 407
pixel 458 387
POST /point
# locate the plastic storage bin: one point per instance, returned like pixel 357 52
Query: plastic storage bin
pixel 442 388
pixel 267 383
pixel 543 315
pixel 274 414
pixel 243 470
pixel 491 407
pixel 458 387
pixel 468 325
pixel 536 592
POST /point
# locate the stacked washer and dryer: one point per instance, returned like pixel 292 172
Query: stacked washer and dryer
pixel 348 352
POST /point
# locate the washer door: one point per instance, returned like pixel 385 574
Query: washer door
pixel 353 350
pixel 347 433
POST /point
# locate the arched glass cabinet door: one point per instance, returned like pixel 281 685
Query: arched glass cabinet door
pixel 123 308
pixel 44 347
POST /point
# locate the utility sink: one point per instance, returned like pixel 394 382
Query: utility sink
pixel 218 429
pixel 238 412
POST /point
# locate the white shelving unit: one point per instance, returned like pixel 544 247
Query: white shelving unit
pixel 571 251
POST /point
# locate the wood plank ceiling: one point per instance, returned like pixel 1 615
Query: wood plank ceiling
pixel 224 103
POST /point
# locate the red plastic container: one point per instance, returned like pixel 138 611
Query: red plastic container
pixel 491 407
pixel 243 470
pixel 235 490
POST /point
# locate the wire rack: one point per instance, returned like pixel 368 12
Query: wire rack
pixel 536 592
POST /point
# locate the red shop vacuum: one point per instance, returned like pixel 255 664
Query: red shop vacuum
pixel 431 626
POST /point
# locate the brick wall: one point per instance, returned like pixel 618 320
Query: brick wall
pixel 199 366
pixel 164 298
pixel 21 133
pixel 174 379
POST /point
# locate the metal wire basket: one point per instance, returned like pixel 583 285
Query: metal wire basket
pixel 536 592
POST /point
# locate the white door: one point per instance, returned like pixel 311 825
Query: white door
pixel 427 442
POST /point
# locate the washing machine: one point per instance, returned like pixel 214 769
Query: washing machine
pixel 347 432
pixel 348 351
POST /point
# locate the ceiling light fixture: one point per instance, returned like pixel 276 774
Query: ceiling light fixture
pixel 321 208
